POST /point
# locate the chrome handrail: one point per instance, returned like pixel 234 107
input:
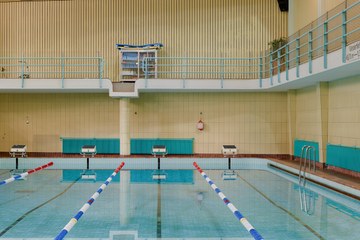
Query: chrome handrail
pixel 307 160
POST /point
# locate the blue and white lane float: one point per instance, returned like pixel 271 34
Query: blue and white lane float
pixel 227 202
pixel 23 175
pixel 86 206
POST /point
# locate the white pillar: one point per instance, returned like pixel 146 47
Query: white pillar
pixel 124 198
pixel 124 126
pixel 321 7
pixel 291 18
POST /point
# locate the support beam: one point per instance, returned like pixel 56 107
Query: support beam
pixel 124 105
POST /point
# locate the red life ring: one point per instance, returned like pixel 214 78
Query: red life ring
pixel 200 125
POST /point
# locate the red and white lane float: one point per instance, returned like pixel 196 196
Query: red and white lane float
pixel 23 175
pixel 87 205
pixel 233 209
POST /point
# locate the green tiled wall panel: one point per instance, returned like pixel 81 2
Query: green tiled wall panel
pixel 298 144
pixel 173 146
pixel 343 157
pixel 103 145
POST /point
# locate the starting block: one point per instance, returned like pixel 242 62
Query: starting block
pixel 18 151
pixel 229 150
pixel 159 150
pixel 88 150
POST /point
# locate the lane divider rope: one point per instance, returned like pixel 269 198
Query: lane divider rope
pixel 23 175
pixel 87 205
pixel 233 209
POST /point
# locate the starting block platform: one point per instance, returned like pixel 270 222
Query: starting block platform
pixel 228 150
pixel 18 151
pixel 88 150
pixel 159 150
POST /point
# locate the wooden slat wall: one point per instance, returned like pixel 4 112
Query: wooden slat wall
pixel 40 119
pixel 211 28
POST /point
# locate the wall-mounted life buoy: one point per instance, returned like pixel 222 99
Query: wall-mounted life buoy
pixel 200 125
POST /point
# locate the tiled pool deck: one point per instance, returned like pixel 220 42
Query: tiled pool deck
pixel 329 174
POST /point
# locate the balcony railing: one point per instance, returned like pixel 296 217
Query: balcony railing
pixel 52 68
pixel 335 30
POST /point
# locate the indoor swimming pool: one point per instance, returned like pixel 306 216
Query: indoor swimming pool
pixel 182 206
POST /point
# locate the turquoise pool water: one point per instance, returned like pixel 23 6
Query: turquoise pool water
pixel 182 207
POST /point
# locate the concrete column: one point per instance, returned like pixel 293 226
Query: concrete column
pixel 291 18
pixel 124 105
pixel 322 94
pixel 291 110
pixel 124 198
pixel 321 7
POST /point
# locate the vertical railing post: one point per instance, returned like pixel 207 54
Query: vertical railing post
pixel 310 48
pixel 297 57
pixel 222 72
pixel 287 61
pixel 344 35
pixel 278 64
pixel 261 69
pixel 101 69
pixel 271 68
pixel 22 71
pixel 184 70
pixel 144 64
pixel 325 43
pixel 62 63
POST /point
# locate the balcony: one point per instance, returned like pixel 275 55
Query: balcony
pixel 327 49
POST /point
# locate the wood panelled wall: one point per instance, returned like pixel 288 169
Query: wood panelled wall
pixel 39 120
pixel 208 28
pixel 254 122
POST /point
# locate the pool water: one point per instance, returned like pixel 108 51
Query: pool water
pixel 184 206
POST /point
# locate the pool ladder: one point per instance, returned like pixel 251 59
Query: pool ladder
pixel 307 198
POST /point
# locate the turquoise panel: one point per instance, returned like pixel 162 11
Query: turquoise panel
pixel 343 157
pixel 103 145
pixel 173 146
pixel 298 145
pixel 101 175
pixel 172 176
